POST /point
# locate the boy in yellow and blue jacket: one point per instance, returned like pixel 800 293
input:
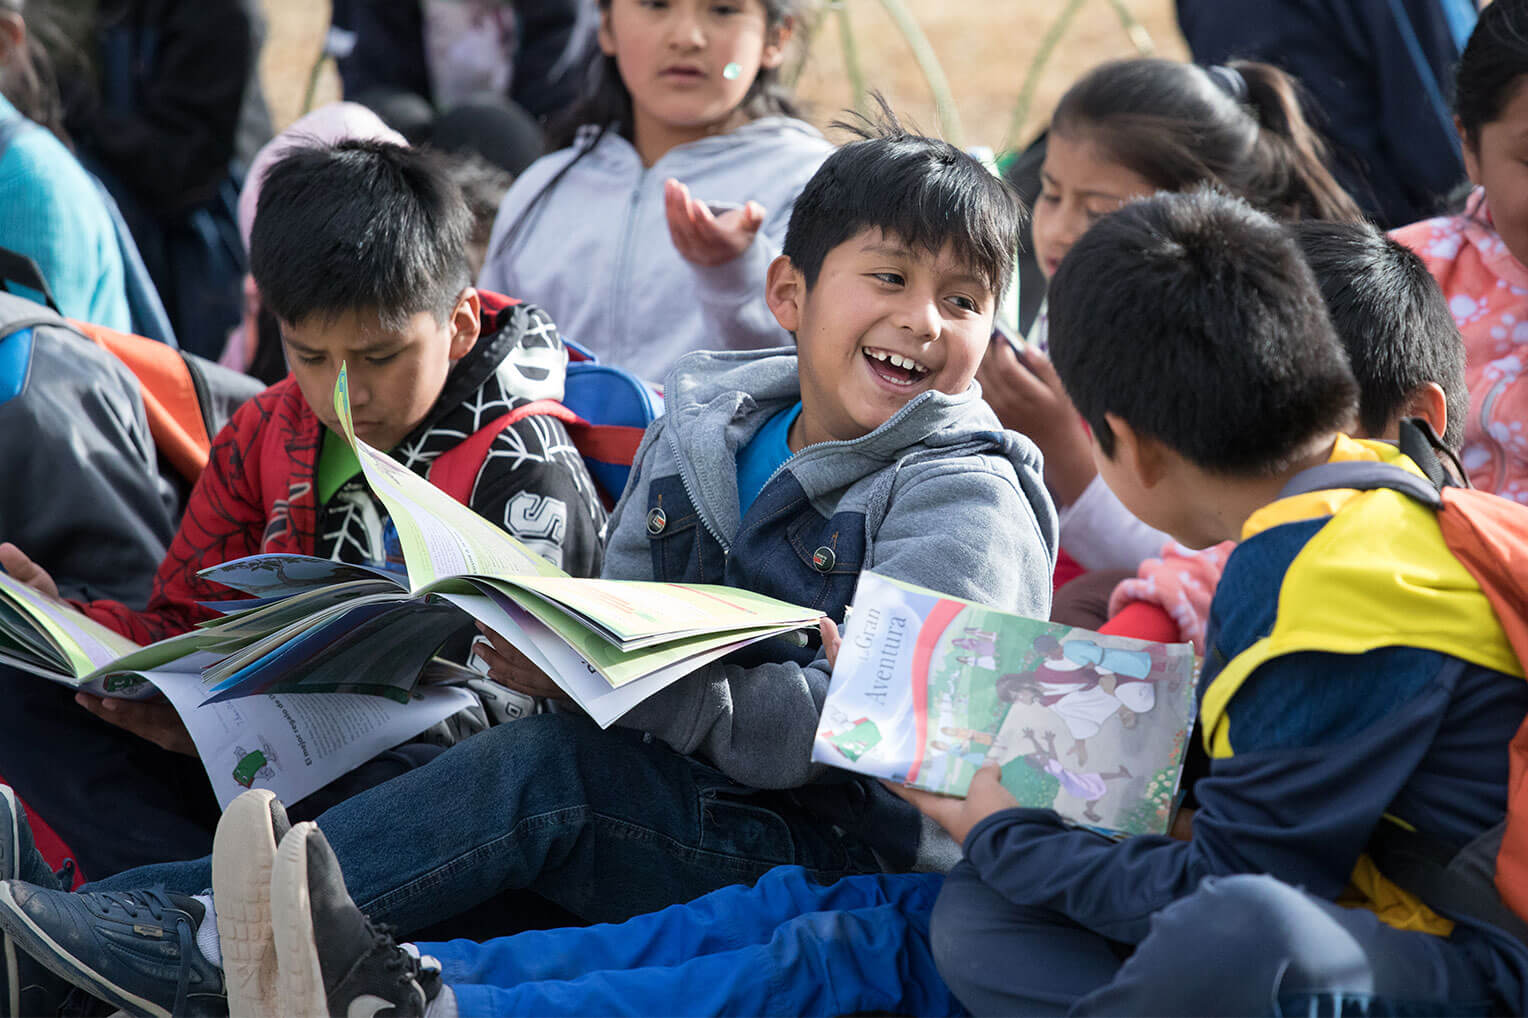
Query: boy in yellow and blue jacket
pixel 1356 681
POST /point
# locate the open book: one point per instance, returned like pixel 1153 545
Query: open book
pixel 928 688
pixel 313 626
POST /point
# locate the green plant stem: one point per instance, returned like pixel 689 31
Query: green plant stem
pixel 853 69
pixel 1144 44
pixel 1042 57
pixel 933 73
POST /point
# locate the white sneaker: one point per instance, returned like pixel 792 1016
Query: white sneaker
pixel 243 855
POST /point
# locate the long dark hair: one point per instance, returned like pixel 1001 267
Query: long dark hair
pixel 606 103
pixel 1493 66
pixel 1241 128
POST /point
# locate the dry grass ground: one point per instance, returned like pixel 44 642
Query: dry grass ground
pixel 985 47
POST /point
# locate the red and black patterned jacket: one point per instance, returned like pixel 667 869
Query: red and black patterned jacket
pixel 258 493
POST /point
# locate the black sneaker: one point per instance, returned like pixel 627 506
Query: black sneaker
pixel 136 951
pixel 330 958
pixel 26 988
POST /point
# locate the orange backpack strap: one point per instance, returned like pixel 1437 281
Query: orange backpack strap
pixel 455 471
pixel 1489 535
pixel 170 397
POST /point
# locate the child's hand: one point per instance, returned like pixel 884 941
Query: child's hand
pixel 1026 394
pixel 154 720
pixel 15 562
pixel 513 670
pixel 703 238
pixel 986 797
pixel 831 641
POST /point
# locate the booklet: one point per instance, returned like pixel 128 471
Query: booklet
pixel 928 688
pixel 311 625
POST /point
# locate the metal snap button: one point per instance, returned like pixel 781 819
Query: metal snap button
pixel 823 559
pixel 656 521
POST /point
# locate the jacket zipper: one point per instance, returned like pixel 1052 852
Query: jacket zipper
pixel 622 264
pixel 689 490
pixel 841 442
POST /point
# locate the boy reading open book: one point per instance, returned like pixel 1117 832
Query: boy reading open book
pixel 360 250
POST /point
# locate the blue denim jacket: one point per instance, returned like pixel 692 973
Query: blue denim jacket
pixel 940 495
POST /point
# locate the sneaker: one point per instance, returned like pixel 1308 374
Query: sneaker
pixel 26 988
pixel 243 854
pixel 332 960
pixel 136 951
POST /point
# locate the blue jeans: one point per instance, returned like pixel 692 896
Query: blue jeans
pixel 1241 945
pixel 606 824
pixel 786 946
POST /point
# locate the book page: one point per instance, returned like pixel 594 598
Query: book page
pixel 86 644
pixel 641 613
pixel 440 537
pixel 928 688
pixel 294 744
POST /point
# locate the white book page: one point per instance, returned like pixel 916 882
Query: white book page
pixel 296 743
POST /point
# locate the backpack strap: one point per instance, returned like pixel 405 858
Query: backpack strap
pixel 172 396
pixel 1363 475
pixel 455 471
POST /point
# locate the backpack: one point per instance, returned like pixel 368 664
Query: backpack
pixel 606 411
pixel 186 399
pixel 1488 879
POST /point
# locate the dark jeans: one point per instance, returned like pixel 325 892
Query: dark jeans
pixel 119 801
pixel 606 824
pixel 1241 945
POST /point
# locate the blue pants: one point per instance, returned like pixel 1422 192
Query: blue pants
pixel 786 946
pixel 1242 945
pixel 606 824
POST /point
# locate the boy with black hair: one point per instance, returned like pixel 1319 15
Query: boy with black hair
pixel 786 472
pixel 1402 344
pixel 1356 680
pixel 360 251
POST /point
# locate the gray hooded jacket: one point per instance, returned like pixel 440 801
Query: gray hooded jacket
pixel 595 250
pixel 940 495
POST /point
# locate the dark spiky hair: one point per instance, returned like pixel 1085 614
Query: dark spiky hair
pixel 923 191
pixel 359 226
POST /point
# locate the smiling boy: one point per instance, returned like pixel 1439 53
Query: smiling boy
pixel 786 472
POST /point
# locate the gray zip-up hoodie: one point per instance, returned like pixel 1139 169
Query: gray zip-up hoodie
pixel 595 250
pixel 940 495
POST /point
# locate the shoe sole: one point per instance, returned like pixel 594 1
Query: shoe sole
pixel 243 856
pixel 42 948
pixel 300 982
pixel 8 949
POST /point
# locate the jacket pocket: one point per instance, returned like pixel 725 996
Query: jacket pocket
pixel 683 550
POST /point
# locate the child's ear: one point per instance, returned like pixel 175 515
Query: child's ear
pixel 1428 402
pixel 1142 456
pixel 775 42
pixel 466 322
pixel 785 292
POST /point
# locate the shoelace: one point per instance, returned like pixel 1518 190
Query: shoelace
pixel 398 961
pixel 130 902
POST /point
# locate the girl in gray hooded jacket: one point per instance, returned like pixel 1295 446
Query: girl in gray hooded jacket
pixel 649 234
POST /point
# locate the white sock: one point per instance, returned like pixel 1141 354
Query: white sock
pixel 207 940
pixel 443 1006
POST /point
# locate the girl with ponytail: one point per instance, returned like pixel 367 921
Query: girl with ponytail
pixel 1126 130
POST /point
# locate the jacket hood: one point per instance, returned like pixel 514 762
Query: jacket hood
pixel 517 346
pixel 716 401
pixel 616 154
